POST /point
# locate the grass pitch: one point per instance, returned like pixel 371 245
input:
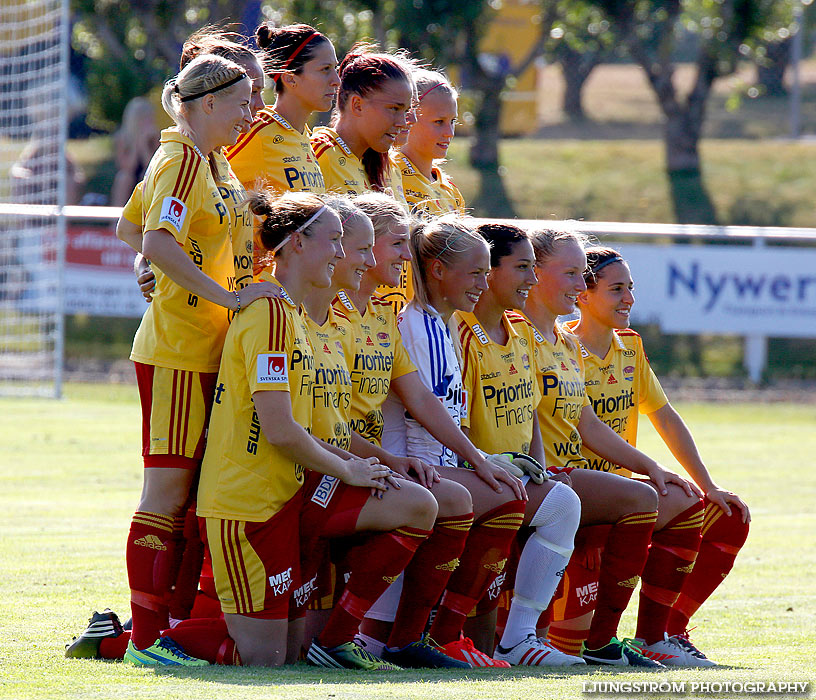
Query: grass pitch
pixel 71 477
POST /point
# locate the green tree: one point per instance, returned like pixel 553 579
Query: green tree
pixel 135 45
pixel 726 30
pixel 449 32
pixel 580 40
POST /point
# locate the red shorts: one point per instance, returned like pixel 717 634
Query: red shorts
pixel 257 565
pixel 580 589
pixel 330 510
pixel 176 407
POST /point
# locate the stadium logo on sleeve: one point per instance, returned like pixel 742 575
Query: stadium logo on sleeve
pixel 272 368
pixel 173 212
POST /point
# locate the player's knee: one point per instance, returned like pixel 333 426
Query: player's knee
pixel 557 518
pixel 675 501
pixel 452 498
pixel 419 506
pixel 640 498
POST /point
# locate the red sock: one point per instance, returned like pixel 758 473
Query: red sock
pixel 484 557
pixel 572 606
pixel 426 577
pixel 624 557
pixel 206 607
pixel 205 639
pixel 150 553
pixel 671 558
pixel 375 565
pixel 114 648
pixel 189 572
pixel 722 539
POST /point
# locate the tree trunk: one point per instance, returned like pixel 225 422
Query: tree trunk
pixel 771 71
pixel 492 198
pixel 575 68
pixel 692 203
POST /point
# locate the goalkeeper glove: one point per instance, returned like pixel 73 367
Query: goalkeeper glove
pixel 518 464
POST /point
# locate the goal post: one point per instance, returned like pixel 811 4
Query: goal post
pixel 34 75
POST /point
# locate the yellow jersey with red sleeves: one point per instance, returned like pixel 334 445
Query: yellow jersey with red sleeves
pixel 563 397
pixel 499 381
pixel 276 154
pixel 428 197
pixel 395 179
pixel 243 476
pixel 620 386
pixel 132 211
pixel 375 355
pixel 181 330
pixel 343 172
pixel 331 395
pixel 235 197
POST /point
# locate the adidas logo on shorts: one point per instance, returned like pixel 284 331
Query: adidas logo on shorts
pixel 629 583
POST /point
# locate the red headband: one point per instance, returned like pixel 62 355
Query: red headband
pixel 430 89
pixel 294 54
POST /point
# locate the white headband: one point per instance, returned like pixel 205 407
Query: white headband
pixel 300 228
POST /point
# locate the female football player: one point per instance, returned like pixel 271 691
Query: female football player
pixel 187 235
pixel 208 40
pixel 373 101
pixel 276 150
pixel 427 188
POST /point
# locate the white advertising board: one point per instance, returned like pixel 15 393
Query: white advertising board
pixel 769 291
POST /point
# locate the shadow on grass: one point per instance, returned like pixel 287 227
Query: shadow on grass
pixel 303 674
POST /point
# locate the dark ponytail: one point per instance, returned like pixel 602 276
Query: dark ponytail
pixel 287 49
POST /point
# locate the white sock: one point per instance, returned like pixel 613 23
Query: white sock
pixel 542 562
pixel 371 645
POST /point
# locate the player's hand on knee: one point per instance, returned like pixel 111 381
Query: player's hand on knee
pixel 494 476
pixel 415 469
pixel 660 476
pixel 367 472
pixel 725 499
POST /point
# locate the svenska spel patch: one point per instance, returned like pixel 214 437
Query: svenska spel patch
pixel 272 368
pixel 174 212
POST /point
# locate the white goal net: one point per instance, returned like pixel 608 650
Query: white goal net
pixel 34 37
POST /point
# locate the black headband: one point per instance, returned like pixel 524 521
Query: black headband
pixel 608 261
pixel 223 86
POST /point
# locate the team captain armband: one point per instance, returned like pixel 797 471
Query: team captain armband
pixel 272 368
pixel 174 212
